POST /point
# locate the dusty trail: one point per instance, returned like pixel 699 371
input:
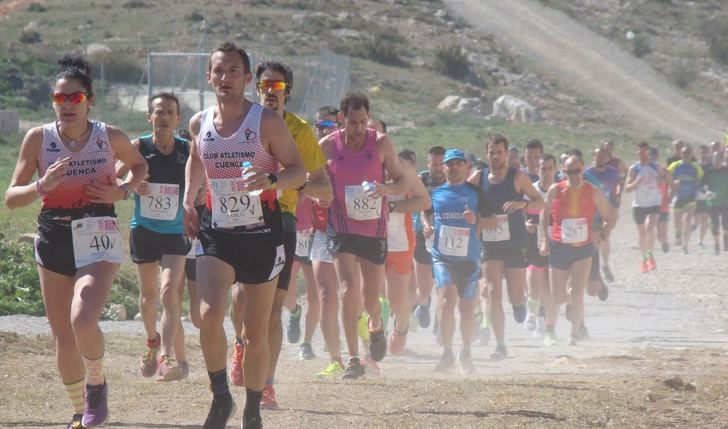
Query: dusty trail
pixel 565 50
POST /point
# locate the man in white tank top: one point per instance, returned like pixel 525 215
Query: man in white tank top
pixel 225 237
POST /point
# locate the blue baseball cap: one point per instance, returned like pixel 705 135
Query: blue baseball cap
pixel 454 154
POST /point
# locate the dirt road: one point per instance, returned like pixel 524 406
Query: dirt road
pixel 568 52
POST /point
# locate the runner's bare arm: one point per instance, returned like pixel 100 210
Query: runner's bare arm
pixel 475 178
pixel 631 180
pixel 317 184
pixel 419 199
pixel 391 162
pixel 194 177
pixel 523 185
pixel 133 161
pixel 545 219
pixel 281 145
pixel 121 168
pixel 606 211
pixel 21 192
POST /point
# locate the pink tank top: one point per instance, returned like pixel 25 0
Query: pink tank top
pixel 223 157
pixel 93 163
pixel 304 213
pixel 347 170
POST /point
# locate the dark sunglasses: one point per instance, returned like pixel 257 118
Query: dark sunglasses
pixel 326 124
pixel 573 172
pixel 73 98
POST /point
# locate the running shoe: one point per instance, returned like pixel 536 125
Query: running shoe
pixel 397 342
pixel 252 422
pixel 377 345
pixel 95 407
pixel 665 247
pixel 148 362
pixel 422 313
pixel 550 339
pixel 651 264
pixel 332 370
pixel 185 367
pixel 530 322
pixel 293 330
pixel 701 245
pixel 603 293
pixel 168 369
pixel 447 362
pixel 268 400
pixel 466 362
pixel 483 334
pixel 574 341
pixel 519 313
pixel 354 369
pixel 221 411
pixel 307 352
pixel 608 276
pixel 237 377
pixel 644 267
pixel 363 326
pixel 500 352
pixel 386 311
pixel 582 334
pixel 75 422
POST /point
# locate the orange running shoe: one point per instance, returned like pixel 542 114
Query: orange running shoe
pixel 236 366
pixel 644 267
pixel 651 264
pixel 397 342
pixel 268 400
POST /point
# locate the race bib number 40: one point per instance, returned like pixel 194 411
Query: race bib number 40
pixel 360 206
pixel 502 231
pixel 232 206
pixel 96 239
pixel 574 230
pixel 453 241
pixel 161 203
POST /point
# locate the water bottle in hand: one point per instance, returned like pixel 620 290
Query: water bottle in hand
pixel 369 186
pixel 247 165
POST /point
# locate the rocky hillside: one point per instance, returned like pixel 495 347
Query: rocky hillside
pixel 684 40
pixel 409 54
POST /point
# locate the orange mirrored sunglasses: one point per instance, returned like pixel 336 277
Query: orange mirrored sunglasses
pixel 73 98
pixel 275 85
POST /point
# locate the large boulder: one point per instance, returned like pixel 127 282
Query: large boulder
pixel 514 109
pixel 458 104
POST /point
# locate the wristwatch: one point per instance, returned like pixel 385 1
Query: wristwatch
pixel 273 179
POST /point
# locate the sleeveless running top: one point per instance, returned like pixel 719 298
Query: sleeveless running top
pixel 223 157
pixel 95 162
pixel 689 174
pixel 400 231
pixel 165 169
pixel 304 213
pixel 498 194
pixel 347 171
pixel 647 193
pixel 572 214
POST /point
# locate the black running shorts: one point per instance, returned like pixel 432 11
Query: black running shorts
pixel 372 249
pixel 149 246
